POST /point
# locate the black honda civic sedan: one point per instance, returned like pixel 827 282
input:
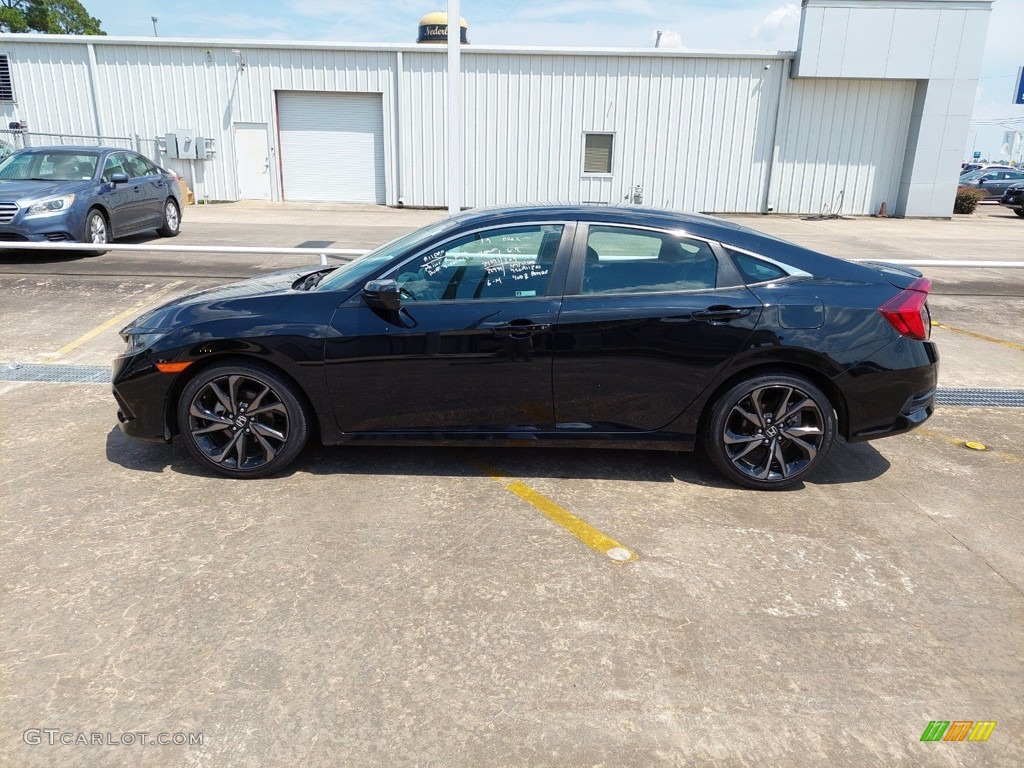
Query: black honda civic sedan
pixel 576 326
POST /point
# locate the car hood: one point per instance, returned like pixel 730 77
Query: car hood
pixel 252 297
pixel 27 191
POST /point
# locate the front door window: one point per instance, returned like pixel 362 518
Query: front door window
pixel 492 264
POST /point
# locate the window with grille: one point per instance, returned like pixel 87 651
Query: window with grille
pixel 6 82
pixel 597 152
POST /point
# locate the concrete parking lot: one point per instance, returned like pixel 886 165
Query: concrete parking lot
pixel 420 607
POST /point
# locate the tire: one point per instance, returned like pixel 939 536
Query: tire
pixel 1019 212
pixel 97 230
pixel 172 219
pixel 746 442
pixel 223 430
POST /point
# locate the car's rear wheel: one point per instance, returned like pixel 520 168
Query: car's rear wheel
pixel 1019 212
pixel 97 230
pixel 172 219
pixel 242 420
pixel 770 431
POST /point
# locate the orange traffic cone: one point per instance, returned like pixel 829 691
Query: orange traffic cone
pixel 881 212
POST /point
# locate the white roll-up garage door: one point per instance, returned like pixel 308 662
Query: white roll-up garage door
pixel 332 146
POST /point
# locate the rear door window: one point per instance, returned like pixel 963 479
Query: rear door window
pixel 626 260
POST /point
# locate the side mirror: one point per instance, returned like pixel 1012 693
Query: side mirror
pixel 383 294
pixel 119 178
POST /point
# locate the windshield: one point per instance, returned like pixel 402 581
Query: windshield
pixel 49 166
pixel 359 269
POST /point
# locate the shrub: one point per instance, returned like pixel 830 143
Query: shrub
pixel 967 199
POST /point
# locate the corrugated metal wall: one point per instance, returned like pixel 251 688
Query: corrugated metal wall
pixel 840 145
pixel 152 91
pixel 697 133
pixel 51 86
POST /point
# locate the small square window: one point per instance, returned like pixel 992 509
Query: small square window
pixel 597 153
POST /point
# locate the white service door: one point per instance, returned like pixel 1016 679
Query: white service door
pixel 252 161
pixel 332 146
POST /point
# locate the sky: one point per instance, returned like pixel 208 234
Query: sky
pixel 693 24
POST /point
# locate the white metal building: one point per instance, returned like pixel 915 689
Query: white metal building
pixel 872 108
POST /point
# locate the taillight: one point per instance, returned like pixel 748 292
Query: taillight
pixel 907 311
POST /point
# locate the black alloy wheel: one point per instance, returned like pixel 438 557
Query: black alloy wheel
pixel 172 219
pixel 771 431
pixel 242 420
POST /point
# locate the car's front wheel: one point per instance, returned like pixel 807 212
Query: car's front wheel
pixel 97 230
pixel 172 219
pixel 1019 212
pixel 770 431
pixel 242 420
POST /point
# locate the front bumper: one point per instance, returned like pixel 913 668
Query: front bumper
pixel 61 228
pixel 1013 199
pixel 142 394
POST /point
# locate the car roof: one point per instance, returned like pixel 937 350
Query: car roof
pixel 699 224
pixel 621 214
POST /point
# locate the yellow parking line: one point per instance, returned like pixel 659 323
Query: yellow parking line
pixel 128 313
pixel 957 441
pixel 983 337
pixel 581 529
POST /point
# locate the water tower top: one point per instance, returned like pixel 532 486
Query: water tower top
pixel 434 28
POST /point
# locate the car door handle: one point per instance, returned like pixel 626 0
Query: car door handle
pixel 520 331
pixel 715 314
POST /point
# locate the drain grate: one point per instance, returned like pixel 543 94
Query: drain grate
pixel 985 398
pixel 100 374
pixel 56 374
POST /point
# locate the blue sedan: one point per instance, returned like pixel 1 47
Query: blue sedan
pixel 85 194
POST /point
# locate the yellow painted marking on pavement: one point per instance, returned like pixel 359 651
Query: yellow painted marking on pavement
pixel 127 314
pixel 581 529
pixel 969 444
pixel 982 336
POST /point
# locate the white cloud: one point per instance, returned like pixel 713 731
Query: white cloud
pixel 779 25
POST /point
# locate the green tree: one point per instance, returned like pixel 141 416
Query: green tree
pixel 55 17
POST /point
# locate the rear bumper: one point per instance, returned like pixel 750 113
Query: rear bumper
pixel 891 393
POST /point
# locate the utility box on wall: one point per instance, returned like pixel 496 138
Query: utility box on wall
pixel 185 145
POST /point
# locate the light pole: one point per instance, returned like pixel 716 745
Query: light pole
pixel 154 19
pixel 454 109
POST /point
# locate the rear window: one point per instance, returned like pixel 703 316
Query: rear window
pixel 753 269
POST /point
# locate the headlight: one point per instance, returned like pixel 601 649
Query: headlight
pixel 140 341
pixel 51 206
